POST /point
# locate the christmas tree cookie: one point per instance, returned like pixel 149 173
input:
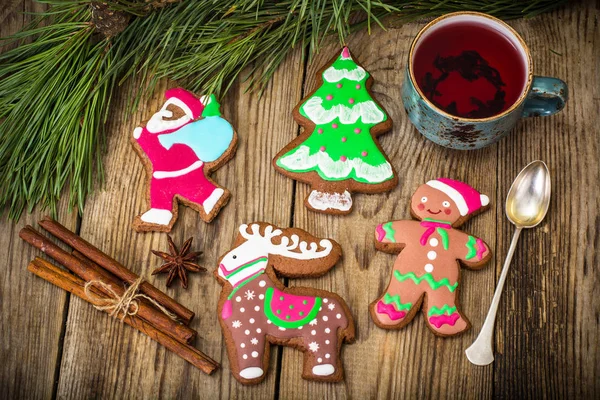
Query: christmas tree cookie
pixel 180 146
pixel 426 274
pixel 337 152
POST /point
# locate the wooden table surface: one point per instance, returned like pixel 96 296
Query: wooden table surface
pixel 547 338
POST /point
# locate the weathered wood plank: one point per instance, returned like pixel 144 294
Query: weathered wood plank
pixel 548 332
pixel 33 311
pixel 410 362
pixel 103 358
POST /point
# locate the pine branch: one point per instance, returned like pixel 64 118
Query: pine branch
pixel 55 87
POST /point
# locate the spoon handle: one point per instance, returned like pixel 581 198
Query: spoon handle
pixel 481 351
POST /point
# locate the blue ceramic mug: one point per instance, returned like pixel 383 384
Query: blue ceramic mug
pixel 540 96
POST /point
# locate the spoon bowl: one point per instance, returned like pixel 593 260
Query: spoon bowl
pixel 529 196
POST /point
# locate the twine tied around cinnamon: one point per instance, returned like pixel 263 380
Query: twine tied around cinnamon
pixel 125 305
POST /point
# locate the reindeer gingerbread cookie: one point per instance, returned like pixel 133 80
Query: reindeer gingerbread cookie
pixel 256 309
pixel 180 146
pixel 426 274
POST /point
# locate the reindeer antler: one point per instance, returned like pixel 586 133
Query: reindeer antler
pixel 285 248
pixel 270 232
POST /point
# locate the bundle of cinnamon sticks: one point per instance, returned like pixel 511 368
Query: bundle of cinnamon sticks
pixel 88 264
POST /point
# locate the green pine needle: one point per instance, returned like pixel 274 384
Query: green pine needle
pixel 56 85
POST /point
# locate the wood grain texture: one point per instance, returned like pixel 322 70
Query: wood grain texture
pixel 33 311
pixel 410 362
pixel 547 332
pixel 124 363
pixel 547 335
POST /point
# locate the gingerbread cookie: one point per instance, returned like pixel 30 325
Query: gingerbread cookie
pixel 337 152
pixel 180 146
pixel 256 309
pixel 426 273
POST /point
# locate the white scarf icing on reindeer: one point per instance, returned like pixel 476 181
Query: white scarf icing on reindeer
pixel 256 307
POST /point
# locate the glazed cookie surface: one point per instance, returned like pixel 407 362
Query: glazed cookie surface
pixel 337 152
pixel 426 274
pixel 180 146
pixel 256 309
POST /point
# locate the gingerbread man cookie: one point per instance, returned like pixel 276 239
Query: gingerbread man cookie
pixel 256 309
pixel 180 146
pixel 426 273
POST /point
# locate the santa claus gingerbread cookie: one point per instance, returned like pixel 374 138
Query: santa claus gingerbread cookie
pixel 180 146
pixel 426 274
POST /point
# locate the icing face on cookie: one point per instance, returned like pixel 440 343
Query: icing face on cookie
pixel 428 202
pixel 446 200
pixel 191 106
pixel 243 262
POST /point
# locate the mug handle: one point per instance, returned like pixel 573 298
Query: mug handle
pixel 546 97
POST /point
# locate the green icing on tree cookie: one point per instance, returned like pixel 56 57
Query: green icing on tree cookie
pixel 341 146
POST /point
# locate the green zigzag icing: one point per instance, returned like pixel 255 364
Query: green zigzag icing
pixel 444 235
pixel 387 299
pixel 439 311
pixel 435 285
pixel 389 232
pixel 471 246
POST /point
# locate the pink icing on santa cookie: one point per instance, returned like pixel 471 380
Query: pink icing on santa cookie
pixel 181 144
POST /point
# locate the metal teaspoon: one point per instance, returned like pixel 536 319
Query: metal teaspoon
pixel 526 206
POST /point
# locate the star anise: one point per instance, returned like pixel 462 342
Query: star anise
pixel 178 263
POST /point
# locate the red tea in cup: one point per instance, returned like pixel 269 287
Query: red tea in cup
pixel 470 69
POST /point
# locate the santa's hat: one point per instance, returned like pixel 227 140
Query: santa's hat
pixel 185 100
pixel 467 199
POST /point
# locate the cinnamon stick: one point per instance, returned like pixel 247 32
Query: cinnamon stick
pixel 146 311
pixel 75 285
pixel 112 265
